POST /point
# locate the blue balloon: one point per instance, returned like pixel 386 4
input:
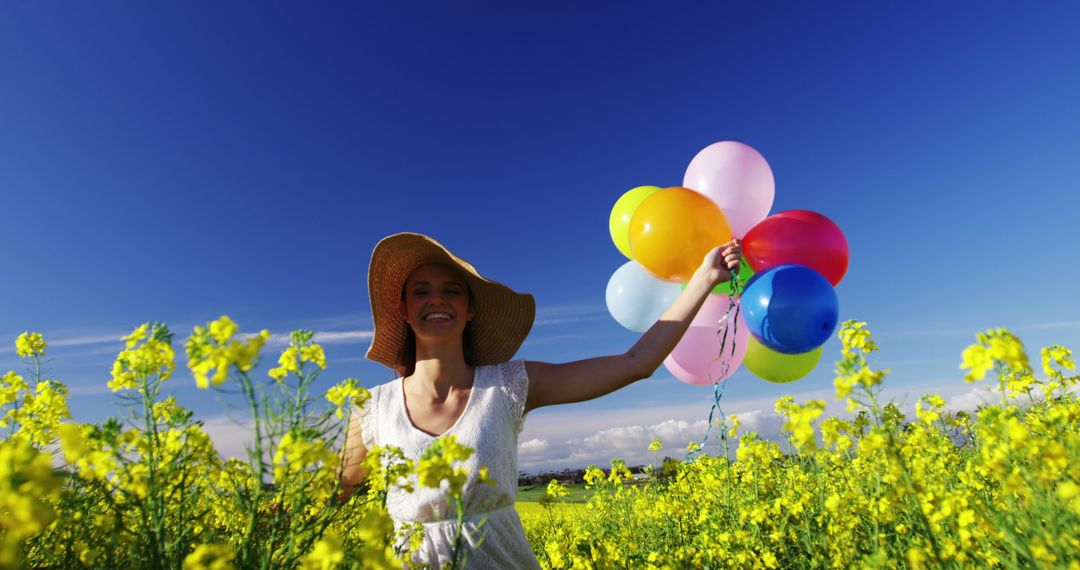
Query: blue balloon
pixel 636 298
pixel 791 308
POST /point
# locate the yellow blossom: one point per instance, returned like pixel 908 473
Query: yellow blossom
pixel 348 391
pixel 210 557
pixel 313 353
pixel 1059 355
pixel 28 486
pixel 212 350
pixel 137 362
pixel 297 453
pixel 30 344
pixel 557 490
pixel 327 554
pixel 995 345
pixel 439 463
pixel 855 336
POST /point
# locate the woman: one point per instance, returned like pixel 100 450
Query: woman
pixel 450 334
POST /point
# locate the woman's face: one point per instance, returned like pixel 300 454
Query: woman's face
pixel 436 301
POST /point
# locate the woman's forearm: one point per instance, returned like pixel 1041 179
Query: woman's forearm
pixel 655 344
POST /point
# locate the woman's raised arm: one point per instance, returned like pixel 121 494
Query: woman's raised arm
pixel 551 384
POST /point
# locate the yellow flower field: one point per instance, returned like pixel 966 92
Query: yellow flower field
pixel 999 487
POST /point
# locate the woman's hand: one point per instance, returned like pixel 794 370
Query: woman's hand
pixel 551 384
pixel 721 261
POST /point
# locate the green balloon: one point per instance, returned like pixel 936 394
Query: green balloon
pixel 745 273
pixel 776 367
pixel 619 221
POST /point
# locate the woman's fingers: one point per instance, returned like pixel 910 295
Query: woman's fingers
pixel 732 254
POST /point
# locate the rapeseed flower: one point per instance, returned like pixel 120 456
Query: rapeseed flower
pixel 210 557
pixel 212 350
pixel 348 391
pixel 31 345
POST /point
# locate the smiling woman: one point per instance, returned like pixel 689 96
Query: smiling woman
pixel 451 334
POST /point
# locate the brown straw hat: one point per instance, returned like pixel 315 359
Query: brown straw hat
pixel 502 317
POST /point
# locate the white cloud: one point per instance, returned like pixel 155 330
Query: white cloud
pixel 533 447
pixel 972 399
pixel 1053 325
pixel 627 442
pixel 343 337
pixel 89 390
pixel 322 337
pixel 81 340
pixel 766 424
pixel 230 435
pixel 89 339
pixel 569 314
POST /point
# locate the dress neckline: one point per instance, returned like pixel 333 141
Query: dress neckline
pixel 465 410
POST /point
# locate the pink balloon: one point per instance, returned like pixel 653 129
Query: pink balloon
pixel 737 178
pixel 678 372
pixel 695 359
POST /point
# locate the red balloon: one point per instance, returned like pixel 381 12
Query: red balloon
pixel 801 237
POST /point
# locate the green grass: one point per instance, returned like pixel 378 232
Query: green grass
pixel 532 493
pixel 530 509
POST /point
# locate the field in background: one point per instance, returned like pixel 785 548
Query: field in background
pixel 531 510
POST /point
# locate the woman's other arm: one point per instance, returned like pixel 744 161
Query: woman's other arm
pixel 551 384
pixel 352 459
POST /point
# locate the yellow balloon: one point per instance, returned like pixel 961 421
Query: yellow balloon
pixel 672 230
pixel 776 367
pixel 619 223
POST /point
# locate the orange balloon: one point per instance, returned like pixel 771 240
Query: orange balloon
pixel 673 229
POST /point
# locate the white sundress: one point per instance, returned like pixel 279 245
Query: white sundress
pixel 490 424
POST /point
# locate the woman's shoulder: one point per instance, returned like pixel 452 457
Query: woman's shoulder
pixel 510 376
pixel 507 370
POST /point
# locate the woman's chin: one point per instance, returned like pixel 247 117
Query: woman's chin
pixel 439 330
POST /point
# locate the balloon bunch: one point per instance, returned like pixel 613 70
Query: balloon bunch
pixel 792 261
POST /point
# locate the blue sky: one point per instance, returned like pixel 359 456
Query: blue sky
pixel 179 162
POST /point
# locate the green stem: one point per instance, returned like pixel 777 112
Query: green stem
pixel 894 447
pixel 248 389
pixel 458 558
pixel 154 505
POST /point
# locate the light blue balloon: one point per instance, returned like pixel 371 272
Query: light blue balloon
pixel 636 298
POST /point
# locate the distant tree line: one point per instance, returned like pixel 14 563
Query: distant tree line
pixel 577 476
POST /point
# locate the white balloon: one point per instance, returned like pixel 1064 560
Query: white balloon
pixel 637 299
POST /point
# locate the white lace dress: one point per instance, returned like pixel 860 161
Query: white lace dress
pixel 490 423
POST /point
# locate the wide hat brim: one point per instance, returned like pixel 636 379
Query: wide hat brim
pixel 502 317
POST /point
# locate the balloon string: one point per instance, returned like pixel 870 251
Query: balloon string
pixel 734 307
